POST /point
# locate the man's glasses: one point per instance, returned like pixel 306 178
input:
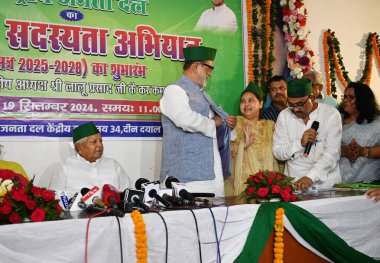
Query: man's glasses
pixel 348 98
pixel 298 105
pixel 207 65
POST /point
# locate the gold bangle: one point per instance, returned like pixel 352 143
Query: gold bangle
pixel 368 152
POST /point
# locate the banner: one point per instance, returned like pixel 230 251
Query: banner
pixel 66 62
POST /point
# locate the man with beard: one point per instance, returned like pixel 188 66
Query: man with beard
pixel 293 132
pixel 190 120
pixel 218 18
pixel 278 94
pixel 88 168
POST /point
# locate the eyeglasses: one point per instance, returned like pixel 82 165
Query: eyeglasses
pixel 282 89
pixel 348 98
pixel 207 65
pixel 298 105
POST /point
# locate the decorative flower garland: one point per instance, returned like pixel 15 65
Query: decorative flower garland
pixel 141 238
pixel 260 69
pixel 279 236
pixel 299 53
pixel 333 60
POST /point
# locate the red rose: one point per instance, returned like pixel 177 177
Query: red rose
pixel 59 209
pixel 298 4
pixel 271 173
pixel 256 179
pixel 48 195
pixel 286 12
pixel 291 54
pixel 293 197
pixel 270 180
pixel 250 190
pixel 285 195
pixel 276 189
pixel 14 218
pixel 6 174
pixel 262 192
pixel 36 191
pixel 311 53
pixel 30 204
pixel 250 178
pixel 18 195
pixel 303 22
pixel 38 215
pixel 279 176
pixel 7 208
pixel 288 189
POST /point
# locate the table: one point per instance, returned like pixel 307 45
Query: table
pixel 353 218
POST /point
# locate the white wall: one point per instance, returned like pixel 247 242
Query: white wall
pixel 350 19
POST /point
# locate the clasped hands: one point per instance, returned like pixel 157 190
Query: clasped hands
pixel 230 121
pixel 353 151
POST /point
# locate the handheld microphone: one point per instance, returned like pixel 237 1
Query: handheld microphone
pixel 153 193
pixel 168 181
pixel 190 196
pixel 177 201
pixel 110 196
pixel 99 202
pixel 137 200
pixel 314 126
pixel 139 182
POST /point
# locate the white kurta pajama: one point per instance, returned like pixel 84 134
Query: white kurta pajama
pixel 219 18
pixel 175 103
pixel 75 173
pixel 321 165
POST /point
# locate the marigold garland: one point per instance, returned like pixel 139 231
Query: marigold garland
pixel 141 238
pixel 333 60
pixel 279 236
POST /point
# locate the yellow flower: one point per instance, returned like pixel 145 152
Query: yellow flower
pixel 7 184
pixel 3 191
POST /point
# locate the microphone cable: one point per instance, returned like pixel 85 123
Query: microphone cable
pixel 224 224
pixel 218 257
pixel 166 234
pixel 196 226
pixel 87 234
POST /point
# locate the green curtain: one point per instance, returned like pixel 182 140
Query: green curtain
pixel 310 228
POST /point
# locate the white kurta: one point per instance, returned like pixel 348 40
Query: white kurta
pixel 175 105
pixel 219 18
pixel 75 173
pixel 322 163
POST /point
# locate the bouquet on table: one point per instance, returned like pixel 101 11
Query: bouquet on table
pixel 21 200
pixel 267 185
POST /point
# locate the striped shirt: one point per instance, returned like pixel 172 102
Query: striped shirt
pixel 270 113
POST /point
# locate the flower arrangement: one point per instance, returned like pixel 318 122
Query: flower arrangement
pixel 267 185
pixel 141 238
pixel 20 199
pixel 299 53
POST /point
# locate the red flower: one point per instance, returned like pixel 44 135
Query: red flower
pixel 293 197
pixel 285 195
pixel 291 54
pixel 250 178
pixel 18 195
pixel 59 209
pixel 256 179
pixel 48 195
pixel 270 180
pixel 311 53
pixel 250 190
pixel 298 4
pixel 36 191
pixel 279 176
pixel 7 208
pixel 14 218
pixel 30 204
pixel 303 22
pixel 263 192
pixel 38 215
pixel 286 12
pixel 276 189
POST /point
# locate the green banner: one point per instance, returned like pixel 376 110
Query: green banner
pixel 64 62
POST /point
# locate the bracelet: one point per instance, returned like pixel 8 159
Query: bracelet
pixel 368 152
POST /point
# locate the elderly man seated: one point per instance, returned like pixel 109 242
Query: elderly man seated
pixel 88 168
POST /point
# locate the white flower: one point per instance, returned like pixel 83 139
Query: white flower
pixel 301 53
pixel 283 2
pixel 7 184
pixel 291 6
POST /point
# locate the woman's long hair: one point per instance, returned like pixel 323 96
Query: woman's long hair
pixel 365 102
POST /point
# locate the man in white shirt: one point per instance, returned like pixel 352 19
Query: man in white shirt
pixel 190 120
pixel 218 18
pixel 88 168
pixel 293 132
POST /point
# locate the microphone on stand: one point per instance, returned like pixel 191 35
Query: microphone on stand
pixel 110 196
pixel 135 197
pixel 314 126
pixel 190 196
pixel 150 190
